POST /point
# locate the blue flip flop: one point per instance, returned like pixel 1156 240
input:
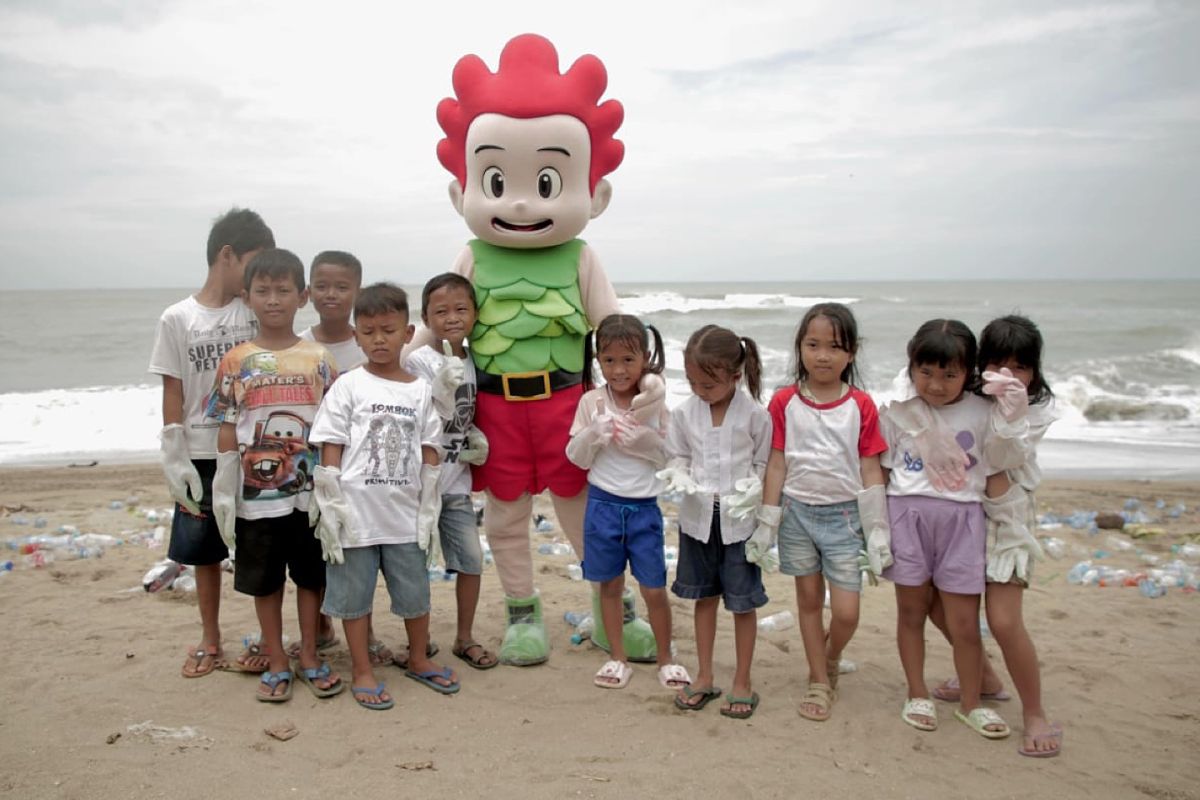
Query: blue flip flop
pixel 273 679
pixel 428 676
pixel 313 674
pixel 377 693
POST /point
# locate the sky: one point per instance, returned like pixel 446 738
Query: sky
pixel 768 141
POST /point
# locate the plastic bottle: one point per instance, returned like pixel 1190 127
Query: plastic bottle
pixel 1055 548
pixel 6 566
pixel 1189 550
pixel 1150 588
pixel 777 622
pixel 161 576
pixel 39 522
pixel 541 524
pixel 583 629
pixel 1078 572
pixel 554 549
pixel 575 572
pixel 186 582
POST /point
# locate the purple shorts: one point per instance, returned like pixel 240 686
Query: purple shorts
pixel 938 539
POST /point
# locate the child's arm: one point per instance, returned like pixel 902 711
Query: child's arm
pixel 773 478
pixel 873 514
pixel 429 455
pixel 335 518
pixel 331 455
pixel 678 472
pixel 591 431
pixel 1011 546
pixel 183 481
pixel 227 483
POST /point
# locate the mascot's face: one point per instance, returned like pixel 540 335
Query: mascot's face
pixel 527 181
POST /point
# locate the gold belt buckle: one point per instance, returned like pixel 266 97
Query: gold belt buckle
pixel 543 374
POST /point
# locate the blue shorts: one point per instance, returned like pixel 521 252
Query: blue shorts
pixel 459 536
pixel 822 539
pixel 350 586
pixel 270 549
pixel 197 540
pixel 712 568
pixel 617 529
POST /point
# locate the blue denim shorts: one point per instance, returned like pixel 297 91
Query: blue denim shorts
pixel 822 539
pixel 712 568
pixel 197 540
pixel 459 536
pixel 619 529
pixel 350 586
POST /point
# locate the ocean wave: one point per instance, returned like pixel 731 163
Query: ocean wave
pixel 657 302
pixel 66 423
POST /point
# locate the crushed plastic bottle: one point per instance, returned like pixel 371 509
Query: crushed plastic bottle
pixel 1118 543
pixel 777 622
pixel 1189 550
pixel 39 522
pixel 575 572
pixel 554 549
pixel 1055 548
pixel 186 582
pixel 1132 504
pixel 1151 588
pixel 161 576
pixel 541 524
pixel 1078 573
pixel 583 624
pixel 116 505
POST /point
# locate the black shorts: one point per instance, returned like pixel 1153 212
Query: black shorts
pixel 713 568
pixel 270 549
pixel 196 540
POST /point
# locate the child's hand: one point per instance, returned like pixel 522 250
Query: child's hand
pixel 449 376
pixel 227 485
pixel 943 459
pixel 678 478
pixel 1011 395
pixel 877 530
pixel 602 427
pixel 476 449
pixel 758 546
pixel 430 507
pixel 745 500
pixel 652 390
pixel 637 439
pixel 335 520
pixel 182 479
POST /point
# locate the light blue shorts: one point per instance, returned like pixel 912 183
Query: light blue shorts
pixel 459 536
pixel 821 539
pixel 350 587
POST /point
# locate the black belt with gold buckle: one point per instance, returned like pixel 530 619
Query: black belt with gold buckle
pixel 521 386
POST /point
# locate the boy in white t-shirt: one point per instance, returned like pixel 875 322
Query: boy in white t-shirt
pixel 377 489
pixel 191 337
pixel 333 283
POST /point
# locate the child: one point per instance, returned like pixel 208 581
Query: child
pixel 824 465
pixel 448 310
pixel 1014 343
pixel 937 537
pixel 189 341
pixel 621 444
pixel 265 394
pixel 378 491
pixel 718 441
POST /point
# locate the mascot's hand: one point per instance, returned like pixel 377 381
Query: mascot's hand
pixel 449 376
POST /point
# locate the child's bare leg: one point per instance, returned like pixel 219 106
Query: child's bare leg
pixel 1020 656
pixel 658 610
pixel 810 602
pixel 962 618
pixel 843 622
pixel 357 639
pixel 745 634
pixel 269 609
pixel 208 595
pixel 912 607
pixel 308 610
pixel 612 611
pixel 705 618
pixel 417 629
pixel 991 683
pixel 466 598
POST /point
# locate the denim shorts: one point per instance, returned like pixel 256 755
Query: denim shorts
pixel 459 537
pixel 350 586
pixel 713 568
pixel 822 539
pixel 617 529
pixel 266 548
pixel 197 540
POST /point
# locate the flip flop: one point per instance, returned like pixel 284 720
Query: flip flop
pixel 273 679
pixel 196 659
pixel 1055 735
pixel 751 701
pixel 981 717
pixel 705 695
pixel 923 707
pixel 253 650
pixel 427 678
pixel 311 675
pixel 950 692
pixel 613 675
pixel 400 659
pixel 477 662
pixel 377 693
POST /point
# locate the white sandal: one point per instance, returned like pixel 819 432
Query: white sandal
pixel 921 707
pixel 613 675
pixel 673 676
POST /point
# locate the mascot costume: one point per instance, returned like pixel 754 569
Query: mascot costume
pixel 529 147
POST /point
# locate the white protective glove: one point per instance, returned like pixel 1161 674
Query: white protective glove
pixel 746 497
pixel 1011 546
pixel 877 530
pixel 429 510
pixel 476 449
pixel 678 476
pixel 587 441
pixel 336 521
pixel 449 376
pixel 758 546
pixel 639 440
pixel 183 482
pixel 1012 398
pixel 648 402
pixel 944 460
pixel 226 487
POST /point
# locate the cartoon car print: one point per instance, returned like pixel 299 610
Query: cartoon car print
pixel 279 458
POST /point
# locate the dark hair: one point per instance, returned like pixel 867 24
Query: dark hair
pixel 240 228
pixel 715 349
pixel 943 342
pixel 845 333
pixel 629 331
pixel 1018 338
pixel 275 262
pixel 441 282
pixel 379 299
pixel 337 258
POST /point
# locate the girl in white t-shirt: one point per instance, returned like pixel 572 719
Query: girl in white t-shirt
pixel 824 466
pixel 718 441
pixel 618 437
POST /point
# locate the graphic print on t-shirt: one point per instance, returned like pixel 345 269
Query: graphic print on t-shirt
pixel 206 347
pixel 390 444
pixel 455 428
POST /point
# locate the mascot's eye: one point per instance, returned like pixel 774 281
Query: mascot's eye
pixel 493 182
pixel 549 183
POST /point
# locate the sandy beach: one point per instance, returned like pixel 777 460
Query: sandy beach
pixel 92 657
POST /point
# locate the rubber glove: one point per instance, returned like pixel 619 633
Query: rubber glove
pixel 746 498
pixel 647 403
pixel 877 530
pixel 758 546
pixel 1010 544
pixel 449 376
pixel 945 462
pixel 678 475
pixel 227 485
pixel 586 442
pixel 430 507
pixel 183 482
pixel 639 440
pixel 1011 395
pixel 336 522
pixel 476 449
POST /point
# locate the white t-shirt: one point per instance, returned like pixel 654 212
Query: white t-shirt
pixel 969 418
pixel 189 342
pixel 382 424
pixel 717 458
pixel 614 470
pixel 424 363
pixel 346 355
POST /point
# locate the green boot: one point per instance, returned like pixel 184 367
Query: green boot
pixel 636 634
pixel 525 642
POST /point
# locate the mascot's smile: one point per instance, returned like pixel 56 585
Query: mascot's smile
pixel 534 227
